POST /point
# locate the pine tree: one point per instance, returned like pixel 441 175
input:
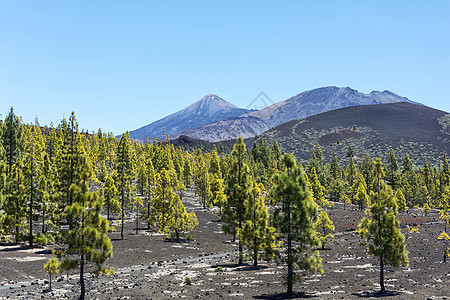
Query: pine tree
pixel 3 173
pixel 87 241
pixel 238 189
pixel 380 228
pixel 256 233
pixel 12 138
pixel 294 218
pixel 125 174
pixel 362 198
pixel 366 167
pixel 52 142
pixel 317 189
pixel 325 228
pixel 137 206
pixel 426 209
pixel 401 200
pixel 317 162
pixel 202 184
pixel 14 205
pixel 52 266
pixel 187 174
pixel 47 193
pixel 217 190
pixel 180 221
pixel 353 191
pixel 142 180
pixel 335 168
pixel 68 164
pixel 410 182
pixel 393 176
pixel 163 199
pixel 276 152
pixel 33 163
pixel 427 177
pixel 444 215
pixel 150 171
pixel 444 174
pixel 337 190
pixel 214 165
pixel 110 195
pixel 351 172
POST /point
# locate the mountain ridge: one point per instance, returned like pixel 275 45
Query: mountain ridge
pixel 408 128
pixel 302 105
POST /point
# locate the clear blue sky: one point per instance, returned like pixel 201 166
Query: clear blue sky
pixel 123 64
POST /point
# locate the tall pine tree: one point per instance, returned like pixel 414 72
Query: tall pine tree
pixel 125 173
pixel 238 189
pixel 380 228
pixel 294 218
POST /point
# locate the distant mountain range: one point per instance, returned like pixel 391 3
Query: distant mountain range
pixel 207 110
pixel 300 106
pixel 213 119
pixel 417 130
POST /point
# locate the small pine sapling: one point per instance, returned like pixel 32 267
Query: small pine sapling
pixel 52 266
pixel 444 236
pixel 445 217
pixel 325 228
pixel 426 209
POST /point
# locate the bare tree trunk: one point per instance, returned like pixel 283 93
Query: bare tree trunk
pixel 123 218
pixel 290 276
pixel 31 203
pixel 241 260
pixel 255 253
pixel 382 289
pixel 83 290
pixel 137 222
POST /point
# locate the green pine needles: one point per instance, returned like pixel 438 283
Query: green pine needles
pixel 294 218
pixel 380 228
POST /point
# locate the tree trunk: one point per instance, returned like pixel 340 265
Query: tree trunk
pixel 43 221
pixel 31 202
pixel 255 253
pixel 241 260
pixel 445 243
pixel 123 219
pixel 83 290
pixel 290 276
pixel 382 289
pixel 137 222
pixel 148 210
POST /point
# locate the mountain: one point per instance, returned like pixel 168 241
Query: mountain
pixel 418 130
pixel 302 105
pixel 209 109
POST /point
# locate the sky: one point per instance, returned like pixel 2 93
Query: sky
pixel 123 64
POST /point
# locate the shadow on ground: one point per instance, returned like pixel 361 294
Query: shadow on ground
pixel 376 294
pixel 294 295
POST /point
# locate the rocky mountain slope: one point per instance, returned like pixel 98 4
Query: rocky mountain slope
pixel 209 109
pixel 300 106
pixel 418 130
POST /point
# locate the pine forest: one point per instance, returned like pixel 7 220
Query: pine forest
pixel 83 199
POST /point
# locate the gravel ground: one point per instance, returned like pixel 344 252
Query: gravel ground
pixel 147 267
